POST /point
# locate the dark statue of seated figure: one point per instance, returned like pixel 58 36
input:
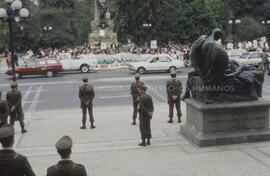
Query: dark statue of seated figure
pixel 216 79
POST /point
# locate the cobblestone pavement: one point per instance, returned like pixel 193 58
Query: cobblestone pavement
pixel 111 149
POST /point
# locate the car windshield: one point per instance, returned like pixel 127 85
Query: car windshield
pixel 245 55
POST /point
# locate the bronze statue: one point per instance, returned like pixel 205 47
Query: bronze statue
pixel 102 7
pixel 216 79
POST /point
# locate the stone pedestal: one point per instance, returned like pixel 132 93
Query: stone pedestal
pixel 220 124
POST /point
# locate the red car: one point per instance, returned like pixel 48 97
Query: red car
pixel 48 67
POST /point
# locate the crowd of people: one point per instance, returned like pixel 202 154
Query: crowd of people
pixel 177 51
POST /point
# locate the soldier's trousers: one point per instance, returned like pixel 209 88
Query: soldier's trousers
pixel 13 118
pixel 145 128
pixel 178 109
pixel 135 109
pixel 90 111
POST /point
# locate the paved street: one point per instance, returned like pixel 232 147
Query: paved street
pixel 52 110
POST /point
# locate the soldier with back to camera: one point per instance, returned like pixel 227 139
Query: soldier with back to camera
pixel 65 166
pixel 86 95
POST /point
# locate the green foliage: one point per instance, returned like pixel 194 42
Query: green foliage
pixel 172 20
pixel 250 29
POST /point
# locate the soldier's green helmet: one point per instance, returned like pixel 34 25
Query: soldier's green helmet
pixel 85 79
pixel 6 131
pixel 64 143
pixel 13 85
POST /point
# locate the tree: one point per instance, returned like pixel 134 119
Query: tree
pixel 250 29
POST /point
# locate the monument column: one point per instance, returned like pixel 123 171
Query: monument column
pixel 102 27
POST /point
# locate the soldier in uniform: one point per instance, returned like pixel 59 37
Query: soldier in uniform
pixel 135 96
pixel 65 166
pixel 174 90
pixel 14 99
pixel 4 112
pixel 146 110
pixel 12 163
pixel 87 94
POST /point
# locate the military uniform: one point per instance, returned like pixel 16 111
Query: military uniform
pixel 12 163
pixel 14 99
pixel 87 94
pixel 135 95
pixel 145 108
pixel 4 112
pixel 66 167
pixel 174 88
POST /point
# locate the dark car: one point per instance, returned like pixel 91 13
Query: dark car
pixel 48 67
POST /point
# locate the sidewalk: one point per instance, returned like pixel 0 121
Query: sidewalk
pixel 111 149
pixel 3 66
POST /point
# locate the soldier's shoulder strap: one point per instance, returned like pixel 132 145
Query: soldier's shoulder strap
pixel 10 164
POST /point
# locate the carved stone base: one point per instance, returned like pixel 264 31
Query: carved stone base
pixel 220 124
pixel 109 38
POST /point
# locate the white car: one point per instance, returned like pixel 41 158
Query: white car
pixel 235 53
pixel 83 64
pixel 156 63
pixel 250 58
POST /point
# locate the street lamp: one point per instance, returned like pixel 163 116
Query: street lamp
pixel 11 15
pixel 234 24
pixel 47 28
pixel 266 23
pixel 147 26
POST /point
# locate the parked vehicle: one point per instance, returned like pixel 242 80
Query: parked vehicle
pixel 48 67
pixel 156 63
pixel 235 53
pixel 250 58
pixel 83 64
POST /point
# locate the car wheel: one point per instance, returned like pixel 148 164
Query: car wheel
pixel 17 75
pixel 49 74
pixel 84 69
pixel 171 69
pixel 141 70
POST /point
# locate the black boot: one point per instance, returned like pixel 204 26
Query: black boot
pixel 24 131
pixel 170 121
pixel 83 127
pixel 148 142
pixel 93 126
pixel 134 122
pixel 143 143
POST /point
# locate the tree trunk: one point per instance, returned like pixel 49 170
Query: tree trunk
pixel 227 18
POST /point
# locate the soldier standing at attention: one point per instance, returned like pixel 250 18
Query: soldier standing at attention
pixel 65 166
pixel 87 94
pixel 146 110
pixel 12 163
pixel 174 90
pixel 4 112
pixel 14 99
pixel 135 96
